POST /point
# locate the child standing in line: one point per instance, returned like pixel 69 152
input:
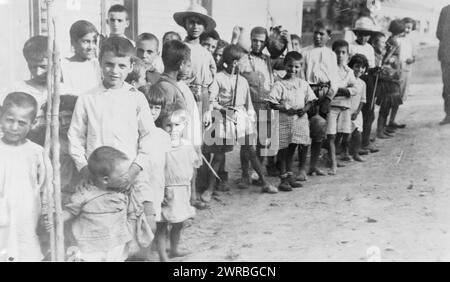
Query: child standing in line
pixel 180 163
pixel 390 95
pixel 407 58
pixel 339 119
pixel 235 120
pixel 147 49
pixel 118 21
pixel 23 176
pixel 359 64
pixel 321 72
pixel 99 211
pixel 82 72
pixel 115 114
pixel 293 97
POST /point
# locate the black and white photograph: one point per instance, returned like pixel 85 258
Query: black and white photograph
pixel 224 131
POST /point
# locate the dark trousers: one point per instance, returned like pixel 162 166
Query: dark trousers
pixel 367 111
pixel 446 91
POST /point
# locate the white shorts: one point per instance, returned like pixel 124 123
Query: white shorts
pixel 339 120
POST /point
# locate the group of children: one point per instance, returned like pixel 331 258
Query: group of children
pixel 144 135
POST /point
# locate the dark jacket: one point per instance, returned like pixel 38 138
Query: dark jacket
pixel 443 34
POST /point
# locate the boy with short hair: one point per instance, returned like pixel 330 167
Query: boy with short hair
pixel 210 40
pixel 115 114
pixel 321 73
pixel 118 21
pixel 147 49
pixel 339 119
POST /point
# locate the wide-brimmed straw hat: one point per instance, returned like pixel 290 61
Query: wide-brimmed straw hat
pixel 195 10
pixel 366 25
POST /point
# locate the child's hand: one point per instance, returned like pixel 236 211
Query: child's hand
pixel 237 30
pixel 133 173
pixel 207 118
pixel 354 116
pixel 301 112
pixel 85 180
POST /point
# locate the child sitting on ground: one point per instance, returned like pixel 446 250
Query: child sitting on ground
pixel 180 163
pixel 99 210
pixel 147 49
pixel 82 72
pixel 23 166
pixel 339 118
pixel 293 98
pixel 359 64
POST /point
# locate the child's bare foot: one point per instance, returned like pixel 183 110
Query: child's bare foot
pixel 206 196
pixel 244 183
pixel 333 171
pixel 178 254
pixel 200 205
pixel 340 165
pixel 357 158
pixel 346 158
pixel 316 171
pixel 302 175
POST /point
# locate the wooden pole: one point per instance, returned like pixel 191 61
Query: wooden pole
pixel 48 141
pixel 56 148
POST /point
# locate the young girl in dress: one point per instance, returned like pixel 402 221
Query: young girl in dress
pixel 389 95
pixel 292 97
pixel 181 160
pixel 22 179
pixel 81 72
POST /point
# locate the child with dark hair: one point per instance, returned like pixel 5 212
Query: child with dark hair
pixel 171 35
pixel 147 49
pixel 390 88
pixel 209 40
pixel 116 114
pixel 137 77
pixel 221 45
pixel 181 160
pixel 359 64
pixel 321 72
pixel 293 98
pixel 24 167
pixel 234 123
pixel 118 21
pixel 339 118
pixel 99 211
pixel 82 72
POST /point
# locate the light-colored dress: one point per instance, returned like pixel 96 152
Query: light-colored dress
pixel 80 77
pixel 180 164
pixel 293 94
pixel 359 98
pixel 22 178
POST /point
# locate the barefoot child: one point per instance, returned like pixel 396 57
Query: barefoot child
pixel 339 119
pixel 180 163
pixel 22 178
pixel 82 72
pixel 99 211
pixel 115 114
pixel 293 97
pixel 359 64
pixel 234 121
pixel 320 71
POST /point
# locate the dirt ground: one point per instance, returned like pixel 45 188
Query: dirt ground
pixel 397 201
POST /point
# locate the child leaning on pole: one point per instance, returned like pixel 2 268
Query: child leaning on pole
pixel 116 114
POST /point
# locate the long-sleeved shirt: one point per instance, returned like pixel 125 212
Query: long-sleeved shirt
pixel 346 79
pixel 321 67
pixel 119 118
